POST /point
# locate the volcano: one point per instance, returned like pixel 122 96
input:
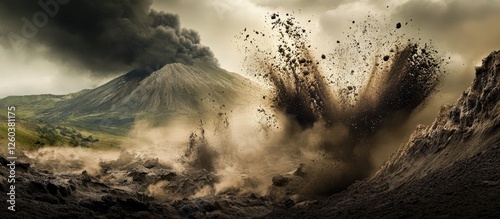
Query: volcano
pixel 173 90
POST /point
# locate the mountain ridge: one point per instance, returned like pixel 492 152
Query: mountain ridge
pixel 174 89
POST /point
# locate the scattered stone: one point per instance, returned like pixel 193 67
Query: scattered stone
pixel 150 163
pixel 36 188
pixel 288 203
pixel 280 180
pixel 86 176
pixel 300 170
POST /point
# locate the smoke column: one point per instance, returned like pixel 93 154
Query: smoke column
pixel 105 37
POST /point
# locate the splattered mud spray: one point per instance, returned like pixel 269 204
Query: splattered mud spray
pixel 345 117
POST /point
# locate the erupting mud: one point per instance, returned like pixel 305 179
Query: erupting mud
pixel 345 118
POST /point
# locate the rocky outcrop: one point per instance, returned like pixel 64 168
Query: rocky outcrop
pixel 461 130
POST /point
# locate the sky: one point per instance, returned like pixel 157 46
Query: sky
pixel 86 43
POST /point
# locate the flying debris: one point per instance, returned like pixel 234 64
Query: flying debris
pixel 303 93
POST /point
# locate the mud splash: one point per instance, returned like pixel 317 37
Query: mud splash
pixel 346 116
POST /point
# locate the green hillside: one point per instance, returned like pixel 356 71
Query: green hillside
pixel 33 135
pixel 30 106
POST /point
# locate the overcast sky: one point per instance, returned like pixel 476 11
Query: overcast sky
pixel 465 30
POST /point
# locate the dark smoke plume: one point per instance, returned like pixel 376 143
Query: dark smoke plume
pixel 101 36
pixel 384 100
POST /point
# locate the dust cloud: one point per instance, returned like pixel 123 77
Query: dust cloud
pixel 308 132
pixel 334 115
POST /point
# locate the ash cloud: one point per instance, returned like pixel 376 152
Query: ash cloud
pixel 101 36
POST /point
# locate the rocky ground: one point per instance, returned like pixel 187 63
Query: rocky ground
pixel 450 169
pixel 124 192
pixel 470 188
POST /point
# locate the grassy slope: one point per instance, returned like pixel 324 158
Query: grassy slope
pixel 29 138
pixel 28 115
pixel 38 108
pixel 25 137
pixel 29 106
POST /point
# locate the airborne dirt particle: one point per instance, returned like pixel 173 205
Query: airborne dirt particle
pixel 336 126
pixel 398 25
pixel 198 154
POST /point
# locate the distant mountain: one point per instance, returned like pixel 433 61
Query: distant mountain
pixel 173 90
